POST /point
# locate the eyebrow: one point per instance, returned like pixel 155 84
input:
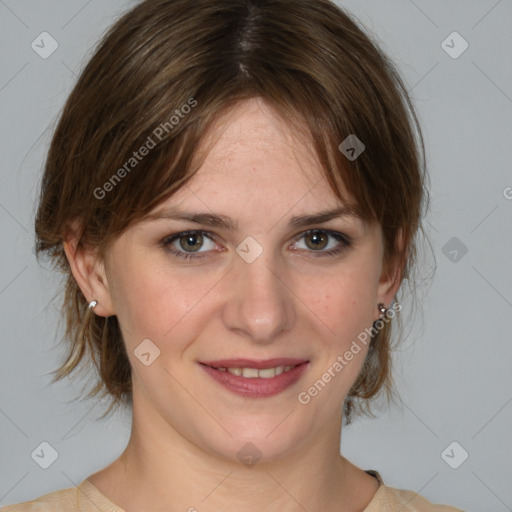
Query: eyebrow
pixel 221 221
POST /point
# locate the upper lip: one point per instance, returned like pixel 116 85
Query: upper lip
pixel 253 363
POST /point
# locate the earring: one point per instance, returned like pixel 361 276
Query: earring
pixel 382 310
pixel 92 304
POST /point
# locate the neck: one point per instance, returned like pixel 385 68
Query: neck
pixel 161 469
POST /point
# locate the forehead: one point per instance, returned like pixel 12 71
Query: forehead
pixel 252 153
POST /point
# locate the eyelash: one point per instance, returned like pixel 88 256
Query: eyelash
pixel 345 242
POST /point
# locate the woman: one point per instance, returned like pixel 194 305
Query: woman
pixel 235 191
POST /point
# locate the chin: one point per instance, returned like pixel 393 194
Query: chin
pixel 252 445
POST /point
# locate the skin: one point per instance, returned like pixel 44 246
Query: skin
pixel 292 301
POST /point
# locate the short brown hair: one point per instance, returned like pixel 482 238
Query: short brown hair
pixel 307 58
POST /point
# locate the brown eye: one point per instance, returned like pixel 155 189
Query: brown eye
pixel 316 240
pixel 194 244
pixel 323 242
pixel 191 242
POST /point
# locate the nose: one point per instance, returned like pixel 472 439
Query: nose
pixel 260 306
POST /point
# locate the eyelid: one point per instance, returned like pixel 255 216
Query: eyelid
pixel 344 241
pixel 169 239
pixel 331 232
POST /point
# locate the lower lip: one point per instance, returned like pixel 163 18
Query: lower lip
pixel 256 387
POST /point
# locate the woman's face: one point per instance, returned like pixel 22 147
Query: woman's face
pixel 257 287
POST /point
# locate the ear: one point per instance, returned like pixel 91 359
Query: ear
pixel 89 273
pixel 392 273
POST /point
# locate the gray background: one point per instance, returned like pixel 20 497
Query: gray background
pixel 453 369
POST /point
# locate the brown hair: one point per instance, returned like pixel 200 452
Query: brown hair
pixel 159 79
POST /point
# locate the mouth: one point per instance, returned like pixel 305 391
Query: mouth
pixel 250 378
pixel 255 373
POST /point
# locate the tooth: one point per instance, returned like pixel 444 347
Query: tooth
pixel 267 373
pixel 253 373
pixel 250 372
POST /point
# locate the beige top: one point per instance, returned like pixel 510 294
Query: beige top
pixel 87 498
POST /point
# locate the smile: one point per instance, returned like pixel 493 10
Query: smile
pixel 254 373
pixel 252 379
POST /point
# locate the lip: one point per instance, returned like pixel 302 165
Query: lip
pixel 256 387
pixel 253 363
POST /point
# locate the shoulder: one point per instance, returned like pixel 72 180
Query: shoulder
pixel 389 499
pixel 63 500
pixel 85 497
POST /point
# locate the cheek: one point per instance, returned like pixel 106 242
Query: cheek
pixel 346 302
pixel 153 302
pixel 348 307
pixel 141 298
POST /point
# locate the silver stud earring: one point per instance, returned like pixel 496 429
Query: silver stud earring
pixel 382 310
pixel 92 304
